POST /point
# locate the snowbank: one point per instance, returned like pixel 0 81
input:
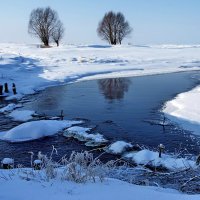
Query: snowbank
pixel 22 115
pixel 9 107
pixel 81 133
pixel 185 110
pixel 16 188
pixel 151 158
pixel 35 130
pixel 7 161
pixel 119 147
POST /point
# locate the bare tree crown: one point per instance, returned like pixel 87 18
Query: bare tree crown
pixel 113 28
pixel 58 32
pixel 44 23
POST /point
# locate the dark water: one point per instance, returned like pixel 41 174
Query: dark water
pixel 121 109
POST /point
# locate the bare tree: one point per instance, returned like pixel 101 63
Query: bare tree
pixel 113 28
pixel 58 32
pixel 42 23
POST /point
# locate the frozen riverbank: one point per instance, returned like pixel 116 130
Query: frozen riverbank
pixel 185 110
pixel 62 183
pixel 17 188
pixel 33 68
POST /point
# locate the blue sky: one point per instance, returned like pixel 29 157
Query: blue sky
pixel 153 21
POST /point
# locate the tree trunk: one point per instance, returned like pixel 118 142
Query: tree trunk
pixel 57 43
pixel 1 89
pixel 46 42
pixel 113 43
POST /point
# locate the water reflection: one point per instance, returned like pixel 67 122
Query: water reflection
pixel 1 100
pixel 114 88
pixel 52 98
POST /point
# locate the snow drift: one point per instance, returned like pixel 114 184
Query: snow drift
pixel 151 158
pixel 185 110
pixel 35 130
pixel 119 147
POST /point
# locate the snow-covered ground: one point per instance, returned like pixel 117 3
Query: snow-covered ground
pixel 33 68
pixel 15 187
pixel 185 110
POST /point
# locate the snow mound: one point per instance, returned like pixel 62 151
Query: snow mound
pixel 9 107
pixel 35 130
pixel 119 147
pixel 22 115
pixel 15 97
pixel 7 161
pixel 151 158
pixel 81 134
pixel 185 110
pixel 36 162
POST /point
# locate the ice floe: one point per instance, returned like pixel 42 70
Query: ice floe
pixel 81 134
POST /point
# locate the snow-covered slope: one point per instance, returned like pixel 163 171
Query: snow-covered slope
pixel 185 110
pixel 19 189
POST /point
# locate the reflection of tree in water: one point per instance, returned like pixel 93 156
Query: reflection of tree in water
pixel 114 88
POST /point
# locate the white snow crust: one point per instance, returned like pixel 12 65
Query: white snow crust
pixel 35 129
pixel 22 115
pixel 147 157
pixel 17 188
pixel 185 110
pixel 81 133
pixel 119 147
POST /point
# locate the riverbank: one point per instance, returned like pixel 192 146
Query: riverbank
pixel 32 68
pixel 77 180
pixel 16 188
pixel 185 110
